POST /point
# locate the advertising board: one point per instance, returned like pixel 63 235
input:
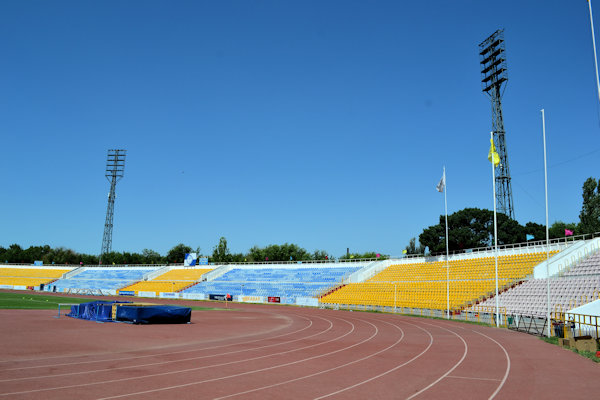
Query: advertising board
pixel 220 297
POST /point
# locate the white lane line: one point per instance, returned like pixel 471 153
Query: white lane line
pixel 324 371
pixel 180 352
pixel 256 370
pixel 151 355
pixel 184 370
pixel 507 365
pixel 386 372
pixel 277 315
pixel 473 378
pixel 450 370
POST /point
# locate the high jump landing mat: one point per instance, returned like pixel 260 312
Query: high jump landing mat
pixel 136 313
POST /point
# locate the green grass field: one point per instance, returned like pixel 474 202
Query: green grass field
pixel 28 301
pixel 34 301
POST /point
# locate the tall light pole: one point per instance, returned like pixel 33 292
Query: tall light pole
pixel 494 77
pixel 547 232
pixel 594 44
pixel 115 169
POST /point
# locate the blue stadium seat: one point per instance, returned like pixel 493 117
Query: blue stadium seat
pixel 287 283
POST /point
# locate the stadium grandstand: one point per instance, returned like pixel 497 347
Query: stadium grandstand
pixel 28 276
pixel 172 280
pixel 423 284
pixel 286 281
pixel 98 280
pixel 415 284
pixel 575 286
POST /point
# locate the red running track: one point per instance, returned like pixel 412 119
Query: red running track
pixel 277 352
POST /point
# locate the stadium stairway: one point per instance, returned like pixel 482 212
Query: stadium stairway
pixel 331 290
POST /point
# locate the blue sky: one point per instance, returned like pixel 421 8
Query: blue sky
pixel 321 123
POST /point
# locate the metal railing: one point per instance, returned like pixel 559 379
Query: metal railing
pixel 531 324
pixel 570 325
pixel 580 255
pixel 486 315
pixel 522 245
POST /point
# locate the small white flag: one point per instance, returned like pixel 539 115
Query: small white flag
pixel 440 186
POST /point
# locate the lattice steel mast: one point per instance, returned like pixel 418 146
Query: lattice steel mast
pixel 115 169
pixel 494 75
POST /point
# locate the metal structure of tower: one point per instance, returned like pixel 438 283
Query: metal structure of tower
pixel 494 76
pixel 115 169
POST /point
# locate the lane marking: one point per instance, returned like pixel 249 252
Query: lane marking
pixel 386 372
pixel 252 371
pixel 157 354
pixel 179 352
pixel 321 372
pixel 185 370
pixel 271 314
pixel 474 378
pixel 449 371
pixel 507 364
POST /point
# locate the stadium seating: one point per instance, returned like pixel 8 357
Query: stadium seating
pixel 286 283
pixel 579 285
pixel 424 285
pixel 101 279
pixel 171 281
pixel 589 266
pixel 26 276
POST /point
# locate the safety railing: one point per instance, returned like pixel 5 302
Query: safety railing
pixel 534 246
pixel 531 324
pixel 570 325
pixel 484 315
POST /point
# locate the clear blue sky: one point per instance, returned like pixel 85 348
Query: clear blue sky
pixel 321 123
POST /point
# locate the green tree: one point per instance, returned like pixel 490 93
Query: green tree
pixel 151 257
pixel 589 217
pixel 275 252
pixel 366 255
pixel 255 254
pixel 13 254
pixel 35 253
pixel 88 259
pixel 238 257
pixel 537 230
pixel 471 228
pixel 412 247
pixel 62 255
pixel 321 255
pixel 221 252
pixel 557 229
pixel 177 253
pixel 112 258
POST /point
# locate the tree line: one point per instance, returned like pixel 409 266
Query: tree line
pixel 220 254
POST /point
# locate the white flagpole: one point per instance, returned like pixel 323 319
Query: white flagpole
pixel 495 235
pixel 594 44
pixel 447 251
pixel 547 232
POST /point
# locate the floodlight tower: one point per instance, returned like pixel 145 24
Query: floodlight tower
pixel 115 169
pixel 494 75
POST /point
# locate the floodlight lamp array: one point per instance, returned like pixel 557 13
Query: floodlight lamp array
pixel 115 163
pixel 493 61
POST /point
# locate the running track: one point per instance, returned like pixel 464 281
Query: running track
pixel 276 352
